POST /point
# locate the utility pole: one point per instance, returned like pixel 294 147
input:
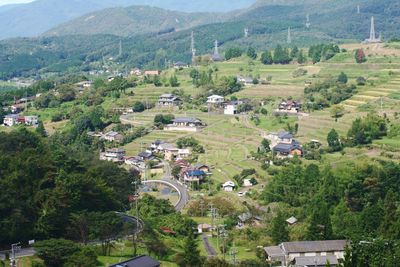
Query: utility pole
pixel 14 248
pixel 136 197
pixel 289 36
pixel 234 253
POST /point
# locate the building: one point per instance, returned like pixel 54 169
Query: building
pixel 145 156
pixel 185 124
pixel 116 155
pixel 203 227
pixel 303 252
pixel 152 72
pixel 215 100
pixel 169 100
pixel 136 72
pixel 31 120
pixel 180 65
pixel 202 167
pixel 140 261
pixel 192 177
pixel 292 220
pixel 284 145
pixel 232 107
pixel 317 261
pixel 84 84
pixel 228 186
pixel 247 183
pixel 10 120
pixel 289 106
pixel 246 81
pixel 113 137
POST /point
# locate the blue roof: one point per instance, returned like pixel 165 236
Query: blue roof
pixel 195 173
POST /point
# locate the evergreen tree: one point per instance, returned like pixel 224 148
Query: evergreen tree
pixel 266 58
pixel 342 78
pixel 251 53
pixel 190 257
pixel 334 141
pixel 301 58
pixel 173 81
pixel 279 231
pixel 41 130
pixel 295 52
pixel 320 227
pixel 388 225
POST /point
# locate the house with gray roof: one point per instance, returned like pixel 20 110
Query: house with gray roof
pixel 304 252
pixel 140 261
pixel 185 124
pixel 169 100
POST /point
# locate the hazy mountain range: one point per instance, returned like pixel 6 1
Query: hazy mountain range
pixel 32 19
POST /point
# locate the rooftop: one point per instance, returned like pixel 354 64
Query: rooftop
pixel 315 261
pixel 314 246
pixel 186 120
pixel 140 261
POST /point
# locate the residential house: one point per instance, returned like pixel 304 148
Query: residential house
pixel 185 124
pixel 317 261
pixel 10 120
pixel 246 81
pixel 140 261
pixel 145 156
pixel 202 167
pixel 182 163
pixel 215 100
pixel 247 183
pixel 203 227
pixel 284 145
pixel 113 137
pixel 193 176
pixel 232 107
pixel 152 72
pixel 288 253
pixel 114 155
pixel 169 100
pixel 136 72
pixel 135 162
pixel 289 106
pixel 31 120
pixel 180 65
pixel 84 84
pixel 17 108
pixel 228 186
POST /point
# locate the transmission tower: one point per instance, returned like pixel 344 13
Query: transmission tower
pixel 308 24
pixel 246 32
pixel 358 9
pixel 120 48
pixel 193 49
pixel 289 36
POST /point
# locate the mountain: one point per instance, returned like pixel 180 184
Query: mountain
pixel 32 19
pixel 133 20
pixel 334 21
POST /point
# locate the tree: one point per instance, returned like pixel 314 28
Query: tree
pixel 55 252
pixel 266 145
pixel 295 52
pixel 190 257
pixel 251 53
pixel 301 58
pixel 281 56
pixel 320 227
pixel 279 231
pixel 342 78
pixel 173 81
pixel 334 141
pixel 337 112
pixel 40 130
pixel 138 107
pixel 388 225
pixel 85 257
pixel 360 56
pixel 233 52
pixel 266 58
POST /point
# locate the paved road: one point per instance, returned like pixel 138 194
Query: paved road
pixel 210 250
pixel 24 252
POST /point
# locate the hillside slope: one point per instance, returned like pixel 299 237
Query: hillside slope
pixel 32 19
pixel 133 20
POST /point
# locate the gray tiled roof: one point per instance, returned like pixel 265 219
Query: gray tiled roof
pixel 274 251
pixel 315 261
pixel 314 246
pixel 186 120
pixel 141 261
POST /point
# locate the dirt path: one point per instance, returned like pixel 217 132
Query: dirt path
pixel 210 250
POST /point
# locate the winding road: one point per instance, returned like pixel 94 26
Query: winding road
pixel 168 180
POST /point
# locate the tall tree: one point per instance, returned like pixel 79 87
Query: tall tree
pixel 266 58
pixel 334 141
pixel 190 257
pixel 360 56
pixel 390 217
pixel 251 53
pixel 279 231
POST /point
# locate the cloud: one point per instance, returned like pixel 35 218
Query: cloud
pixel 6 2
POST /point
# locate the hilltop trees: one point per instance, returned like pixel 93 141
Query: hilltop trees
pixel 266 58
pixel 334 141
pixel 360 56
pixel 279 231
pixel 281 55
pixel 364 130
pixel 251 53
pixel 322 52
pixel 233 52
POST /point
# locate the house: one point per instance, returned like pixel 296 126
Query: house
pixel 247 183
pixel 292 252
pixel 228 186
pixel 180 65
pixel 140 261
pixel 182 163
pixel 136 72
pixel 169 100
pixel 317 261
pixel 292 220
pixel 152 72
pixel 202 167
pixel 185 124
pixel 246 81
pixel 114 155
pixel 31 120
pixel 203 227
pixel 215 100
pixel 232 107
pixel 84 84
pixel 10 120
pixel 289 106
pixel 17 108
pixel 244 217
pixel 288 150
pixel 113 137
pixel 145 156
pixel 191 176
pixel 94 134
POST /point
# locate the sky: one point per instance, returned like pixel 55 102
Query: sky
pixel 6 2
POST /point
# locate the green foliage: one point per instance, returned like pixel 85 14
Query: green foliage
pixel 138 107
pixel 266 58
pixel 185 142
pixel 279 231
pixel 364 130
pixel 233 52
pixel 281 55
pixel 334 141
pixel 361 81
pixel 323 52
pixel 40 130
pixel 190 257
pixel 173 81
pixel 360 56
pixel 161 119
pixel 301 58
pixel 251 53
pixel 342 78
pixel 56 252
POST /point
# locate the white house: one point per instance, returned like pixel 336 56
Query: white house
pixel 113 137
pixel 31 120
pixel 215 99
pixel 185 124
pixel 246 81
pixel 247 183
pixel 11 119
pixel 114 155
pixel 228 186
